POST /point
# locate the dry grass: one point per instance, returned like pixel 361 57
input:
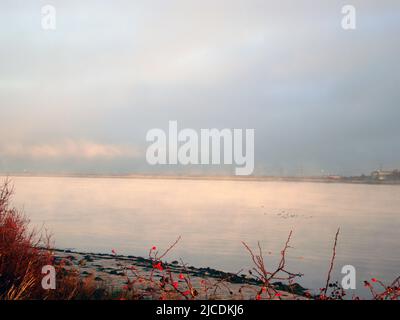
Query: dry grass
pixel 23 254
pixel 21 259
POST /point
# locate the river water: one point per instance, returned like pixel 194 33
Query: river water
pixel 213 217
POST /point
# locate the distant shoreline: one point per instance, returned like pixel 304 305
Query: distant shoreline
pixel 346 180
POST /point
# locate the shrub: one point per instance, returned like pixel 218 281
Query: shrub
pixel 21 256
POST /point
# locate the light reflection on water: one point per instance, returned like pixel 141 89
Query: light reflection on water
pixel 213 217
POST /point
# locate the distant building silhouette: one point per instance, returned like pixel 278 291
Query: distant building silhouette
pixel 383 175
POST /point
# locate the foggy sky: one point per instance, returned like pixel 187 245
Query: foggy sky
pixel 81 98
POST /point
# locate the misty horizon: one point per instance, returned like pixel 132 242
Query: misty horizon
pixel 80 99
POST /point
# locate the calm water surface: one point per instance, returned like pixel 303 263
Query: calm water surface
pixel 213 217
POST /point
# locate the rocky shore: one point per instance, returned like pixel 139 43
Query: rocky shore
pixel 115 272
